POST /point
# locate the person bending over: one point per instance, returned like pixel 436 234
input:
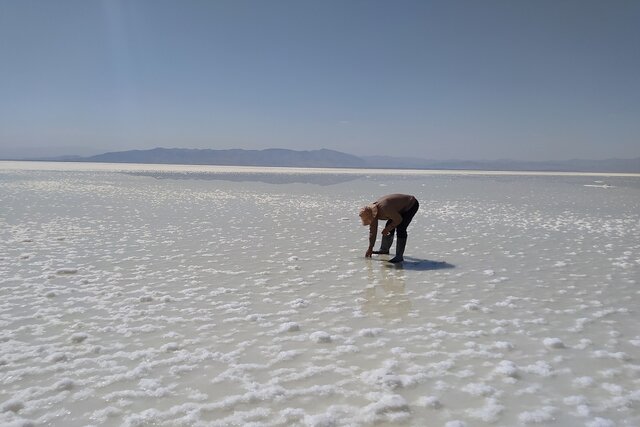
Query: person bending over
pixel 398 210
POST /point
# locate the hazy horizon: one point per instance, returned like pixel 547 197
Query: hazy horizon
pixel 35 153
pixel 534 81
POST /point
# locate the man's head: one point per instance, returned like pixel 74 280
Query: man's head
pixel 366 215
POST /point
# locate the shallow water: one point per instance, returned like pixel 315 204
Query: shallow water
pixel 163 295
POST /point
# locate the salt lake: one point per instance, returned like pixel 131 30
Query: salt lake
pixel 202 296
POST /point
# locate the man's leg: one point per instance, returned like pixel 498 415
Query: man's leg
pixel 401 244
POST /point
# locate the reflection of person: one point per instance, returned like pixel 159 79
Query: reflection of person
pixel 386 296
pixel 398 210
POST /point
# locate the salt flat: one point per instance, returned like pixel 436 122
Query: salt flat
pixel 164 295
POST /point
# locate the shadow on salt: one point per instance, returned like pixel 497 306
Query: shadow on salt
pixel 417 264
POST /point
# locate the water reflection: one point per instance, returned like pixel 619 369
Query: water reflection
pixel 266 177
pixel 385 295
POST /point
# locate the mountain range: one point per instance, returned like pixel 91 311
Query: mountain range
pixel 335 159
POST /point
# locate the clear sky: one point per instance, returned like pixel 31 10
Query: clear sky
pixel 451 79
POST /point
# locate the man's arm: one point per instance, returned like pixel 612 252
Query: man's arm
pixel 396 219
pixel 373 232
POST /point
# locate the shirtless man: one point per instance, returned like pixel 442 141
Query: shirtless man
pixel 398 210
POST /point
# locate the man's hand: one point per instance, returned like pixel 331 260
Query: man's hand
pixel 385 232
pixel 368 254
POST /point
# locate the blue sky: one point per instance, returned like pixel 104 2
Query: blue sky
pixel 527 80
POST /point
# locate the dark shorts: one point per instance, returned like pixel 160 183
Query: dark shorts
pixel 406 220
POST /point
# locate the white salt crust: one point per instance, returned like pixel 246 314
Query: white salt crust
pixel 132 300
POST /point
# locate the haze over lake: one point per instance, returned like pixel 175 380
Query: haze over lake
pixel 199 295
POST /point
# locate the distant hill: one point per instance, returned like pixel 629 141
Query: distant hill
pixel 235 157
pixel 335 159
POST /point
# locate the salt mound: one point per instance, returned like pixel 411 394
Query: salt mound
pixel 537 416
pixel 12 405
pixel 320 337
pixel 553 343
pixel 507 368
pixel 291 327
pixel 78 338
pixel 429 402
pixel 370 332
